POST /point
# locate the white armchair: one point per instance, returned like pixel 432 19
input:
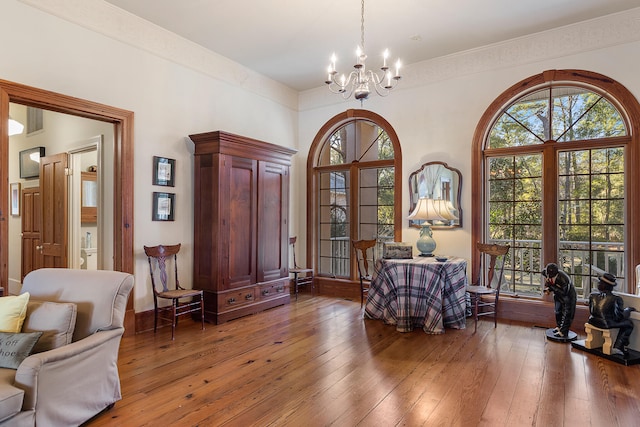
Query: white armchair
pixel 69 384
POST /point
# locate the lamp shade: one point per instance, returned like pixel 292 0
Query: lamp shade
pixel 433 210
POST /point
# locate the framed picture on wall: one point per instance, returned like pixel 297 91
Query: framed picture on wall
pixel 164 171
pixel 30 162
pixel 15 198
pixel 163 206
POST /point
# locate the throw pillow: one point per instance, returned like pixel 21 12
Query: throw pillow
pixel 13 310
pixel 14 348
pixel 56 319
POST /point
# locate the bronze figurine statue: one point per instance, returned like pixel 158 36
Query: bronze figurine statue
pixel 564 296
pixel 606 311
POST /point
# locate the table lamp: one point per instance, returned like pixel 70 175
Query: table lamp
pixel 430 210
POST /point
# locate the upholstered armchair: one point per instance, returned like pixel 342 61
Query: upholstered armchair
pixel 74 376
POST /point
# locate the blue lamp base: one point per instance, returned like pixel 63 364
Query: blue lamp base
pixel 426 245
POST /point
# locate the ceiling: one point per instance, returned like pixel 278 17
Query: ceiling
pixel 291 41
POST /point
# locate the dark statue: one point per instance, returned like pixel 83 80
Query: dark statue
pixel 606 311
pixel 564 297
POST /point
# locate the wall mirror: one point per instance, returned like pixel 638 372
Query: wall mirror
pixel 443 184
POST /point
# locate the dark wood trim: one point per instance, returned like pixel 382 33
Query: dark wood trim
pixel 123 169
pixel 628 106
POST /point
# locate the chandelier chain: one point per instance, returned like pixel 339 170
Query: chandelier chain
pixel 362 26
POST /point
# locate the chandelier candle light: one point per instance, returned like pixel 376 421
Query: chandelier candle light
pixel 360 80
pixel 430 210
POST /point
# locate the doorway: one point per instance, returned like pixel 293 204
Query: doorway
pixel 70 235
pixel 120 202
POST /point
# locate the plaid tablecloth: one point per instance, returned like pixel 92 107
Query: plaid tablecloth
pixel 418 292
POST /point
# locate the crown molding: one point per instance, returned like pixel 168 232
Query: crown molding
pixel 111 21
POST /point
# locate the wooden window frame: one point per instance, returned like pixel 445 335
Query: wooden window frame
pixel 628 106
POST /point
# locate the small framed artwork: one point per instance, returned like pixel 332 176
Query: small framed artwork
pixel 30 162
pixel 163 171
pixel 163 206
pixel 15 198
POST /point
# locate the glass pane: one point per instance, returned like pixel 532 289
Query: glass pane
pixel 501 167
pixel 501 189
pixel 608 160
pixel 525 122
pixel 528 232
pixel 528 212
pixel 528 166
pixel 607 211
pixel 581 114
pixel 573 187
pixel 376 204
pixel 501 212
pixel 500 232
pixel 573 163
pixel 528 189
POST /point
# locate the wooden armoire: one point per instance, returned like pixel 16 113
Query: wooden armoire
pixel 241 227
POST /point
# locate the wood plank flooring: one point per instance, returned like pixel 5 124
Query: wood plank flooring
pixel 317 362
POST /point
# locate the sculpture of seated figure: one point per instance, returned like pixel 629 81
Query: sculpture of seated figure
pixel 606 311
pixel 564 296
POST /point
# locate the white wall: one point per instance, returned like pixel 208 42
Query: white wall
pixel 170 101
pixel 177 89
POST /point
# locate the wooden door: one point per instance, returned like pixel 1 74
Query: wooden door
pixel 31 225
pixel 53 188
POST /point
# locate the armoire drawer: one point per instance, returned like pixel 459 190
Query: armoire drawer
pixel 236 298
pixel 272 289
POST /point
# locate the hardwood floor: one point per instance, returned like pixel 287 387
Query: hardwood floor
pixel 316 362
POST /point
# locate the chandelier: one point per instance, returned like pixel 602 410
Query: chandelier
pixel 360 81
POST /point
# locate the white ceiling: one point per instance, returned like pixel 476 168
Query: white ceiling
pixel 291 41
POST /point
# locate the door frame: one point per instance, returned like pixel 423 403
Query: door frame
pixel 123 259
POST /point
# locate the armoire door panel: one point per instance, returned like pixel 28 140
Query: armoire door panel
pixel 242 222
pixel 207 172
pixel 272 202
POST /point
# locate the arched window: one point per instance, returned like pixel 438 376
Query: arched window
pixel 354 171
pixel 554 160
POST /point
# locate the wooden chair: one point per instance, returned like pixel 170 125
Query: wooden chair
pixel 159 255
pixel 486 286
pixel 301 276
pixel 361 247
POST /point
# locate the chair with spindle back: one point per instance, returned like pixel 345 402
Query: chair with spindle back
pixel 487 285
pixel 301 275
pixel 158 257
pixel 361 248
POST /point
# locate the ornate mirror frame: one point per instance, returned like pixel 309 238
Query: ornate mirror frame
pixel 439 181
